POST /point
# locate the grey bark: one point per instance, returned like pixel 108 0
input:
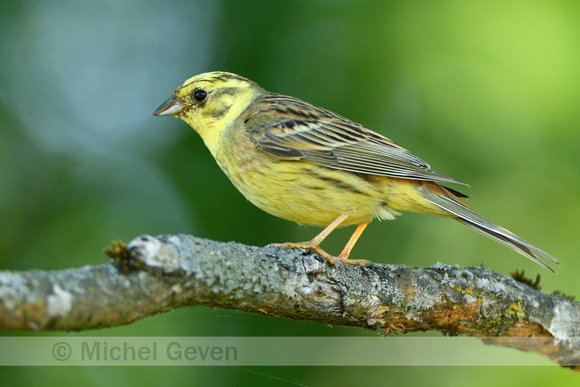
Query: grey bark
pixel 156 274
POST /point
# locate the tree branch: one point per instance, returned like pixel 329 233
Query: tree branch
pixel 153 275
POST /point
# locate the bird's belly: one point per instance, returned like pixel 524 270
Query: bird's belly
pixel 307 193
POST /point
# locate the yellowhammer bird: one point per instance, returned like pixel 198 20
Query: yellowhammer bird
pixel 312 166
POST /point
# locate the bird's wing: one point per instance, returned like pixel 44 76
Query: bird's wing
pixel 289 128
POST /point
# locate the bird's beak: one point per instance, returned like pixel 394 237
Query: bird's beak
pixel 171 107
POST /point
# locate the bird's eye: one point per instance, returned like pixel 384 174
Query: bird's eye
pixel 200 95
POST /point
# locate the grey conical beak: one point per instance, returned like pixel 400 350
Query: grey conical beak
pixel 171 107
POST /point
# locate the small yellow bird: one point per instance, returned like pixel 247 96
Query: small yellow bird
pixel 306 164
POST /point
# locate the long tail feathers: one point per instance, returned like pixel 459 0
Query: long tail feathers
pixel 473 220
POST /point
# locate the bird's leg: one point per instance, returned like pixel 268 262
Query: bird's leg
pixel 346 251
pixel 314 243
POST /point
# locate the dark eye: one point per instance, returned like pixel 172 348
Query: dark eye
pixel 200 95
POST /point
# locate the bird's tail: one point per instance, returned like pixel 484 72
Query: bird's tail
pixel 466 216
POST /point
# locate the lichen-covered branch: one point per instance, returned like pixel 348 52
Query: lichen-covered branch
pixel 155 274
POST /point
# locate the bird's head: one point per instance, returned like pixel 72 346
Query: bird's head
pixel 211 102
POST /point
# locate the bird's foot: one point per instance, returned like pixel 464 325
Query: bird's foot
pixel 314 246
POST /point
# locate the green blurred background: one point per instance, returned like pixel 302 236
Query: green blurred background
pixel 487 92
